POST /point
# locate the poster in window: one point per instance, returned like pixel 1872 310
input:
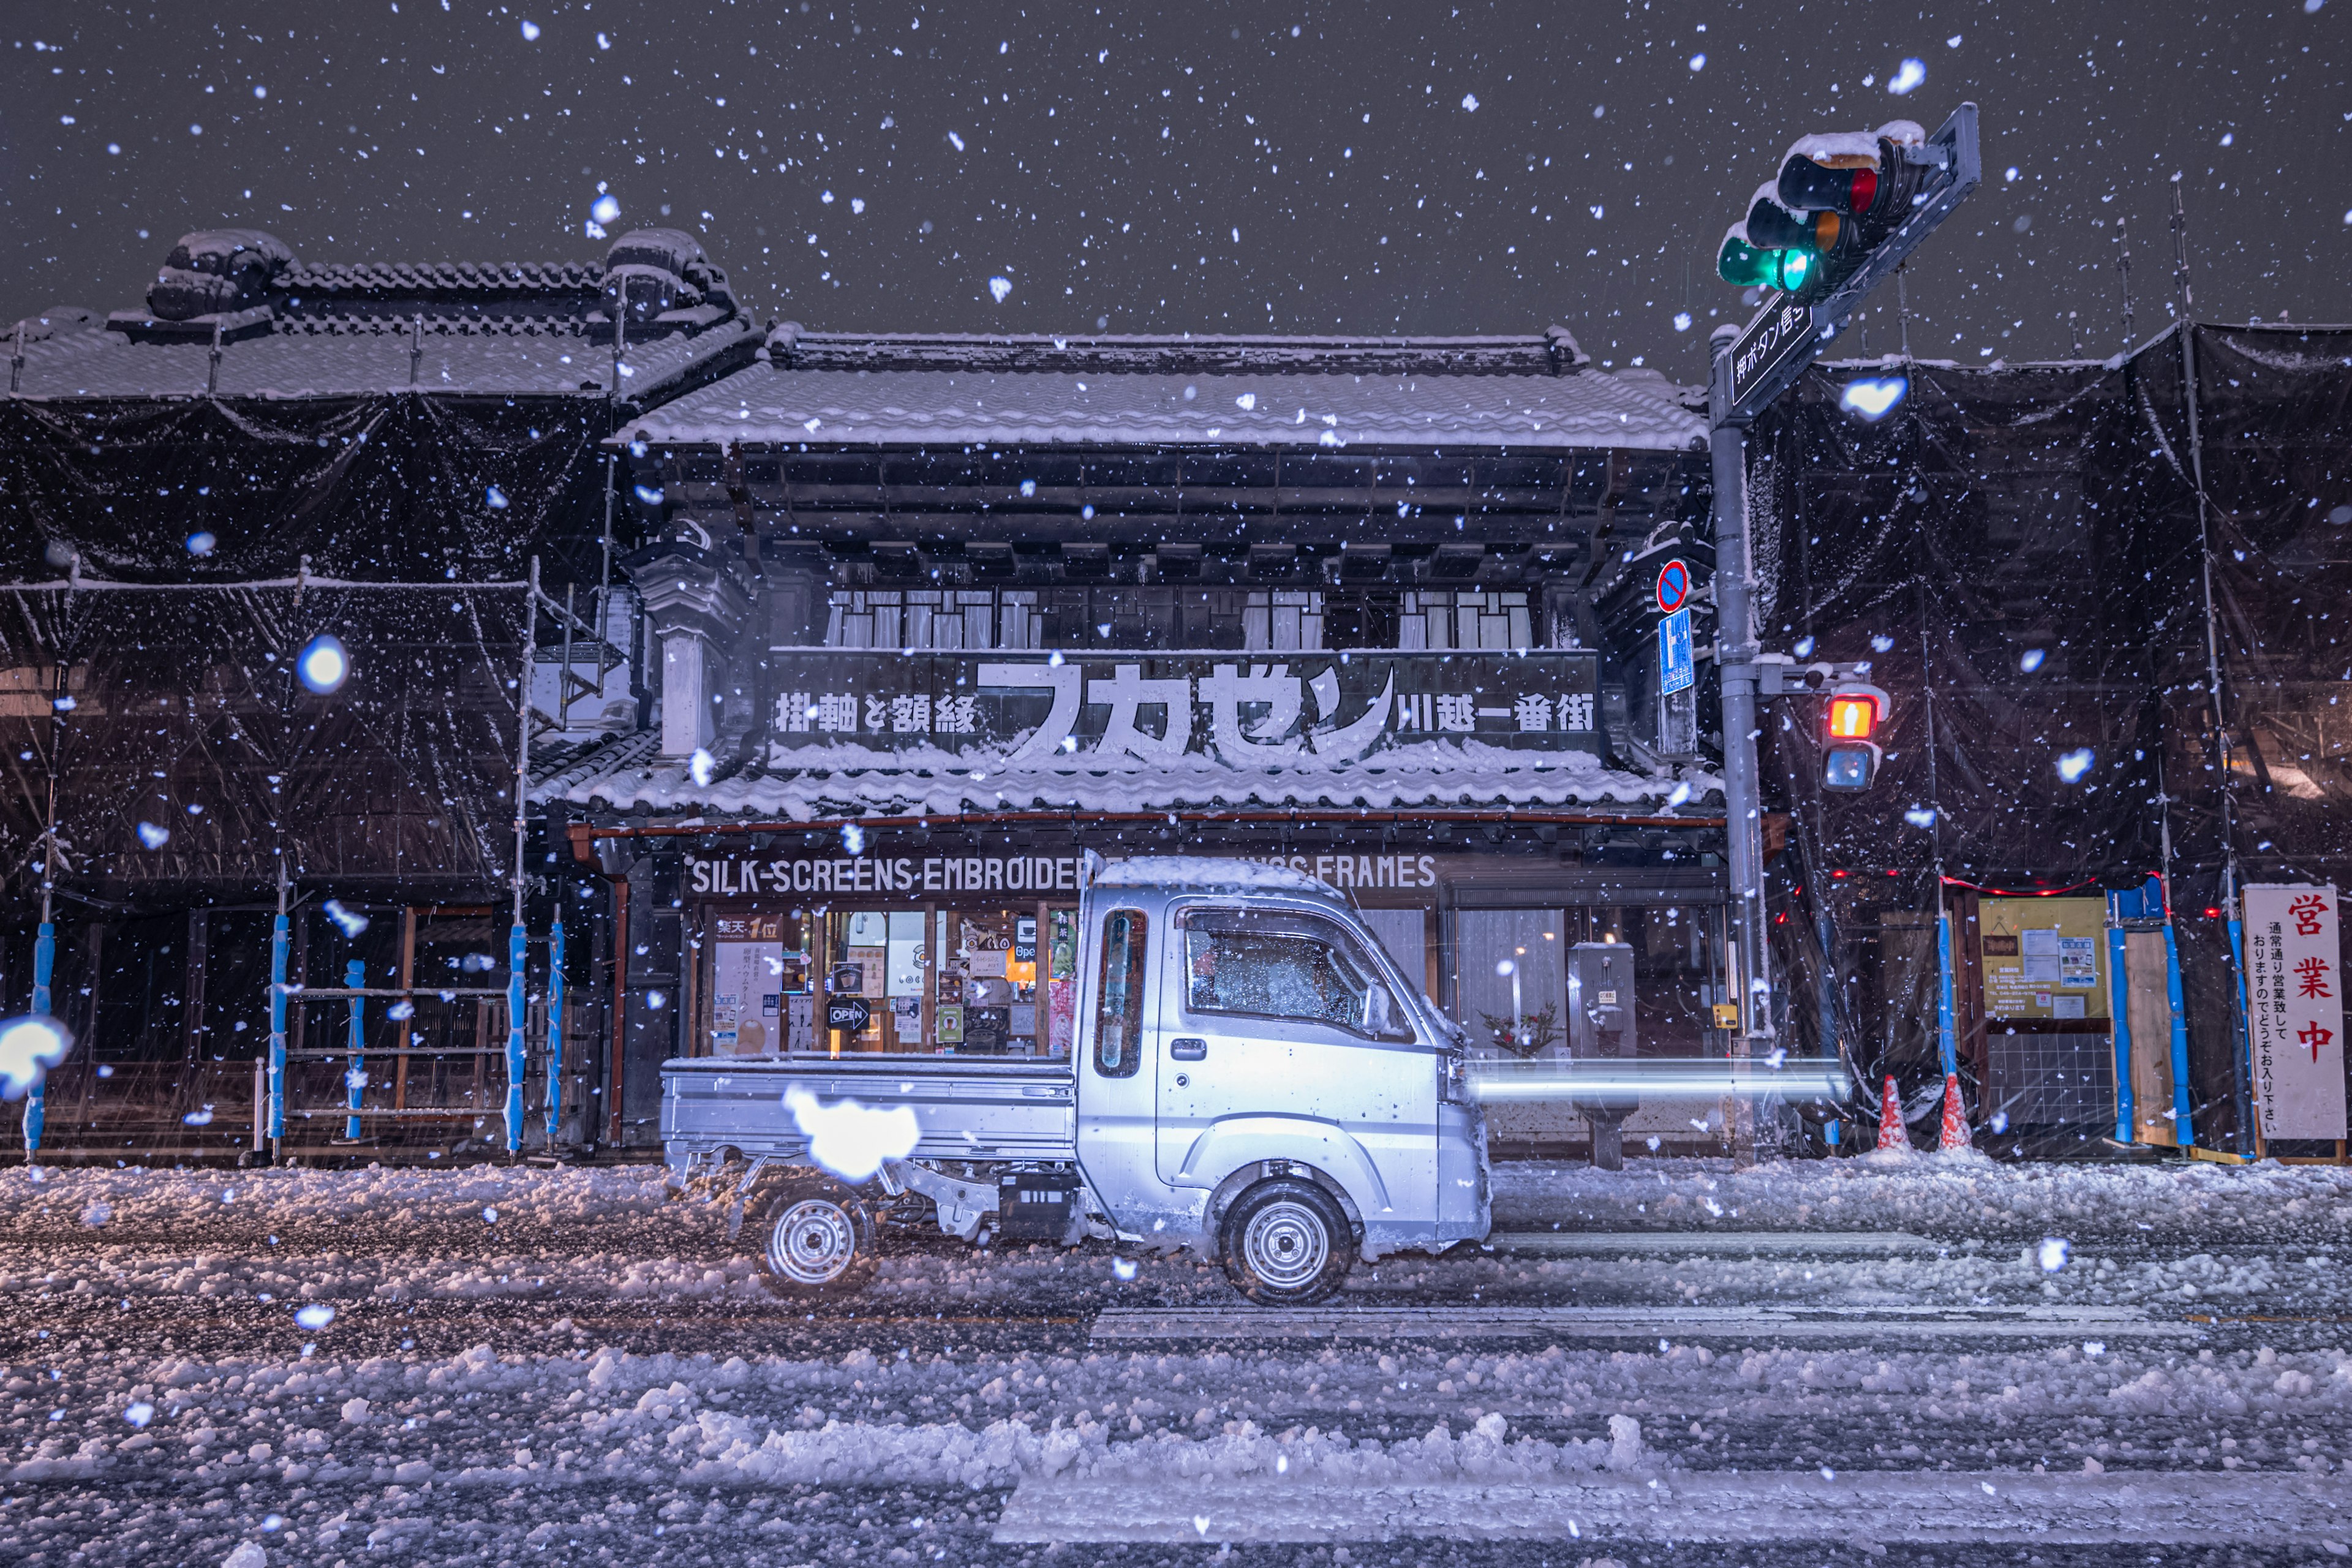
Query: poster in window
pixel 951 1024
pixel 2294 1009
pixel 1062 984
pixel 747 985
pixel 2043 958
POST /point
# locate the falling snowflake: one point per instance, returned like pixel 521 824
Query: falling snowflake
pixel 1907 77
pixel 1470 101
pixel 1000 287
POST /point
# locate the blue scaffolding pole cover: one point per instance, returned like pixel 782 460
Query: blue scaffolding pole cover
pixel 355 1073
pixel 44 962
pixel 2182 1132
pixel 281 945
pixel 554 1025
pixel 1947 1048
pixel 516 947
pixel 2241 1042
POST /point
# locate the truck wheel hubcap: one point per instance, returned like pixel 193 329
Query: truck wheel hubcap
pixel 1286 1246
pixel 812 1242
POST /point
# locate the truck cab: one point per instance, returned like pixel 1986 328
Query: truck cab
pixel 1239 1026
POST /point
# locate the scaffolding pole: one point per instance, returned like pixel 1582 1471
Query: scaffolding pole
pixel 554 1025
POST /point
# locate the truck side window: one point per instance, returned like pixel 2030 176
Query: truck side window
pixel 1118 998
pixel 1282 965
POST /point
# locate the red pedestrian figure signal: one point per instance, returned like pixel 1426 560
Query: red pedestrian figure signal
pixel 1673 588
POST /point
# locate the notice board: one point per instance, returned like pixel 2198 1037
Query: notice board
pixel 2044 958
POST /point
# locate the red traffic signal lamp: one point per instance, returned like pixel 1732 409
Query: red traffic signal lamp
pixel 1850 753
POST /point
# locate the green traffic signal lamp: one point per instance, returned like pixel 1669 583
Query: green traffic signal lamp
pixel 1746 266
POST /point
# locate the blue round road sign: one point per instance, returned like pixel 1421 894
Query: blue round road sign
pixel 1673 588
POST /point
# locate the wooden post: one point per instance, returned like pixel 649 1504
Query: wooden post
pixel 404 1039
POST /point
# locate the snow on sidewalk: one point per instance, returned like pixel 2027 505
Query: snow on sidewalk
pixel 1960 1194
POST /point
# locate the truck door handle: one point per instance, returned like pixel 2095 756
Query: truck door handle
pixel 1188 1049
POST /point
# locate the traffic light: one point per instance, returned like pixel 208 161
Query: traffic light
pixel 1849 755
pixel 1836 198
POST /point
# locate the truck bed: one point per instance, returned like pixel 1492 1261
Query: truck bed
pixel 968 1108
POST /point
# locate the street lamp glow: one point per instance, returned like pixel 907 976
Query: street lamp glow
pixel 323 665
pixel 29 1048
pixel 1873 398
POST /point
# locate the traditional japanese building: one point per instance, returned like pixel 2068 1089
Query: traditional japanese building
pixel 940 620
pixel 270 451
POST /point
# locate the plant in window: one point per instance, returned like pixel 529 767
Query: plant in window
pixel 1528 1035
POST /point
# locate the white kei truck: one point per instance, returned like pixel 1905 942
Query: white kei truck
pixel 1250 1078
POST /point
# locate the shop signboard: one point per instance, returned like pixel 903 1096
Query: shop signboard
pixel 2294 1009
pixel 2044 958
pixel 850 1014
pixel 1241 709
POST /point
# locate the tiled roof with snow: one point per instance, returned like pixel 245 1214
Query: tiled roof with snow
pixel 332 357
pixel 1520 393
pixel 853 781
pixel 236 313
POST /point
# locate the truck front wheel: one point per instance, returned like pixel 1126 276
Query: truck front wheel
pixel 1286 1243
pixel 816 1239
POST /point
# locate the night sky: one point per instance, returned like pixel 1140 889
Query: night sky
pixel 1195 167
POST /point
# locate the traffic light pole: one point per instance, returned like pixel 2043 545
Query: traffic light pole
pixel 1737 652
pixel 1750 368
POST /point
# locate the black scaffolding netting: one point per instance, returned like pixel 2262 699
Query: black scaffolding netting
pixel 191 763
pixel 2021 557
pixel 172 737
pixel 399 486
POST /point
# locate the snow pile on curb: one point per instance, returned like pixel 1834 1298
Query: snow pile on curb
pixel 1965 1192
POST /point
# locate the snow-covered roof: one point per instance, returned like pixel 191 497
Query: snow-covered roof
pixel 1525 394
pixel 318 359
pixel 282 327
pixel 853 781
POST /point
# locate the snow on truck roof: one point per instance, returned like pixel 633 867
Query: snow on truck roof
pixel 1191 872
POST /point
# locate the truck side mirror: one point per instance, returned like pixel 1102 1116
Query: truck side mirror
pixel 1376 1010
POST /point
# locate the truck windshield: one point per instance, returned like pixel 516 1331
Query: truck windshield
pixel 1278 964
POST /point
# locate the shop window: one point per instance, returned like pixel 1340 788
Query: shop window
pixel 1360 620
pixel 1286 966
pixel 999 981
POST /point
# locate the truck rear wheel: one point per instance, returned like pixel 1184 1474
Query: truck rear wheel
pixel 816 1237
pixel 1286 1243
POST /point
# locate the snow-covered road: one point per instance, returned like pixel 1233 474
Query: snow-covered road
pixel 485 1365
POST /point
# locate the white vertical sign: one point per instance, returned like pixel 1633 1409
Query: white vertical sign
pixel 2294 1009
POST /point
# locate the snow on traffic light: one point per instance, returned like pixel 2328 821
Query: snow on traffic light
pixel 1850 755
pixel 1837 197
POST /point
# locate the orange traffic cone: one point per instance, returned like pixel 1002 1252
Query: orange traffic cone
pixel 1891 1132
pixel 1956 1117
